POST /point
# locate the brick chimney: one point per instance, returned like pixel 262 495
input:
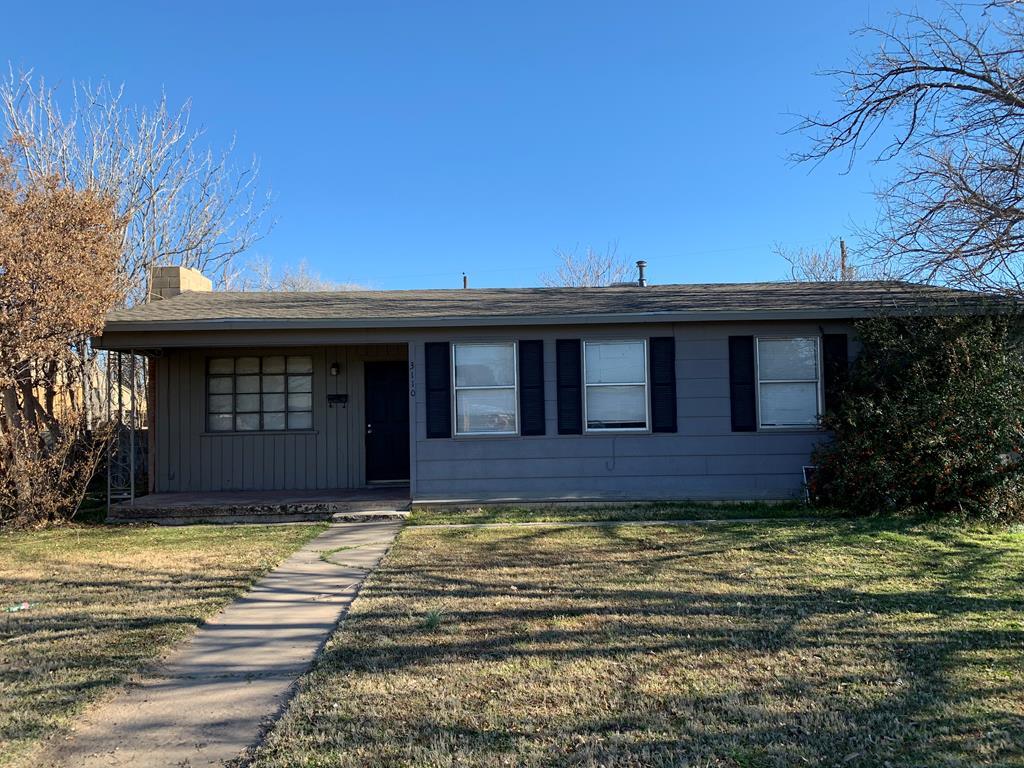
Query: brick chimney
pixel 170 281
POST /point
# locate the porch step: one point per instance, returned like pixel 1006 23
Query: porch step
pixel 369 515
pixel 336 511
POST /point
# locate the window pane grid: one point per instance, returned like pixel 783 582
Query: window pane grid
pixel 251 394
pixel 485 387
pixel 615 386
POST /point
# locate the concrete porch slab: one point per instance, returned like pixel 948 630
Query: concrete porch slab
pixel 380 503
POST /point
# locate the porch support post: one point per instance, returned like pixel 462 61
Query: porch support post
pixel 131 434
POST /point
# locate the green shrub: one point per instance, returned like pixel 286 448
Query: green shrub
pixel 930 417
pixel 432 619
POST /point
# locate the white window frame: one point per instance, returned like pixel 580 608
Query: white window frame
pixel 819 382
pixel 645 383
pixel 456 388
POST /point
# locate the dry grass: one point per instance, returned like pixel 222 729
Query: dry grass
pixel 793 643
pixel 104 601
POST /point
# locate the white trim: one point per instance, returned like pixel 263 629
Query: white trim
pixel 818 382
pixel 456 388
pixel 645 384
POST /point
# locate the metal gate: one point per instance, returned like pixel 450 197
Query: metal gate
pixel 126 385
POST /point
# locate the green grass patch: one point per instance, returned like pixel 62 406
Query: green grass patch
pixel 843 642
pixel 580 513
pixel 104 601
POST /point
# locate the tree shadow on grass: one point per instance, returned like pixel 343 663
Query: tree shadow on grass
pixel 724 660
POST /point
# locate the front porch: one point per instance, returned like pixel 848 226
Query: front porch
pixel 342 504
pixel 277 421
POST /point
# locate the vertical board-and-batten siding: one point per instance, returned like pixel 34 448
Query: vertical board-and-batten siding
pixel 705 459
pixel 330 455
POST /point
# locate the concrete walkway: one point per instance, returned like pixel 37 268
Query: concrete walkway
pixel 212 698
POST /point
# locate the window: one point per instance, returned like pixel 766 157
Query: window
pixel 249 394
pixel 788 382
pixel 485 389
pixel 615 383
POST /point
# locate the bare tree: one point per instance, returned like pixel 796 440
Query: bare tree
pixel 181 203
pixel 942 98
pixel 825 265
pixel 258 274
pixel 589 269
pixel 59 253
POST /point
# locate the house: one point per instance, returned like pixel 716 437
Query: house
pixel 627 392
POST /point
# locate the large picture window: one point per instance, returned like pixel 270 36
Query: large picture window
pixel 251 394
pixel 788 382
pixel 615 383
pixel 485 389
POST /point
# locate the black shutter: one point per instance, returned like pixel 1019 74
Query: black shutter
pixel 531 387
pixel 663 384
pixel 439 388
pixel 742 381
pixel 835 363
pixel 570 386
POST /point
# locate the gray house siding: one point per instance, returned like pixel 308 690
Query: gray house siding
pixel 703 460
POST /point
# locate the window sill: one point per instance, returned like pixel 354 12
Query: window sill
pixel 791 429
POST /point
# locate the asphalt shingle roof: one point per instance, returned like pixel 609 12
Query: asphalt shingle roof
pixel 782 300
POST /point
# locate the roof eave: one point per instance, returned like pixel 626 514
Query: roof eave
pixel 237 324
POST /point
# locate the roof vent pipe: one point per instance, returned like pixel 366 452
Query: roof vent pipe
pixel 641 277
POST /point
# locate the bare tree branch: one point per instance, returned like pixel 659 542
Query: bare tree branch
pixel 825 265
pixel 258 274
pixel 181 202
pixel 949 91
pixel 589 269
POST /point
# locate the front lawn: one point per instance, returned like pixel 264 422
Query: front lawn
pixel 102 601
pixel 840 643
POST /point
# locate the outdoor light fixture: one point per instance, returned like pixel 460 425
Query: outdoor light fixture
pixel 334 369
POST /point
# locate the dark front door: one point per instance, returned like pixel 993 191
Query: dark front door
pixel 387 421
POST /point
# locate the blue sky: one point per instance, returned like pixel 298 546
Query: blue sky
pixel 408 142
